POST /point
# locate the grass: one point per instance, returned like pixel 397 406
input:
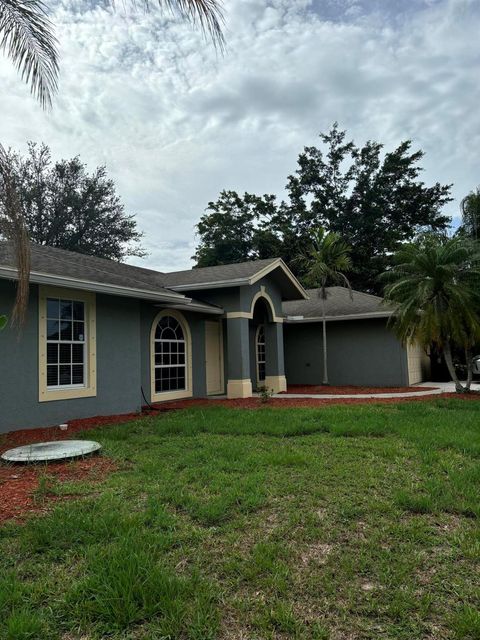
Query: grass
pixel 339 522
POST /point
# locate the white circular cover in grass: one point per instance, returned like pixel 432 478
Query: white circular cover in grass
pixel 49 451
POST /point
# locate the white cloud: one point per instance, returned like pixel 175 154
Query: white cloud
pixel 175 123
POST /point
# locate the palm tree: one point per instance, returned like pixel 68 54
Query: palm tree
pixel 325 262
pixel 434 287
pixel 26 35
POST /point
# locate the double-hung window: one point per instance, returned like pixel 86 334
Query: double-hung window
pixel 67 344
pixel 66 336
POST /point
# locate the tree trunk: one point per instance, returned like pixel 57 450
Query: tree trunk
pixel 447 352
pixel 324 329
pixel 469 361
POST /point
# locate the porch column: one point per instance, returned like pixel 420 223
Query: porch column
pixel 275 363
pixel 239 384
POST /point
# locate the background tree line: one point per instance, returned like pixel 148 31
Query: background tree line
pixel 375 201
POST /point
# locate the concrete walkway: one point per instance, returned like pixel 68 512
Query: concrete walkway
pixel 440 387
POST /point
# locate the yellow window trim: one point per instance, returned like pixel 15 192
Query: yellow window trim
pixel 90 389
pixel 182 393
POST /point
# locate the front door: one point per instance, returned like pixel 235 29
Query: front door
pixel 214 357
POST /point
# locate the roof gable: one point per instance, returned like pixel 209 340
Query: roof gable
pixel 238 274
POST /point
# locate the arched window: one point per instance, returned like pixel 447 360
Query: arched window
pixel 260 348
pixel 170 357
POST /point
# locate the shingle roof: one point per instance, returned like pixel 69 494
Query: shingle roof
pixel 213 275
pixel 81 270
pixel 68 264
pixel 339 303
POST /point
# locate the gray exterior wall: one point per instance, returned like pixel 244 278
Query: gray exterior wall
pixel 360 352
pixel 227 298
pixel 240 298
pixel 118 366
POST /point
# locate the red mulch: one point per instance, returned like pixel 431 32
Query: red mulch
pixel 350 390
pixel 18 484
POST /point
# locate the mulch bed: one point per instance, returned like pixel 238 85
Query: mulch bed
pixel 352 390
pixel 19 483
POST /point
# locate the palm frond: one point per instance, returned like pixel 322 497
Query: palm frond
pixel 13 228
pixel 327 259
pixel 208 14
pixel 26 35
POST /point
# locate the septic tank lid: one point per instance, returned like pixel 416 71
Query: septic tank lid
pixel 48 451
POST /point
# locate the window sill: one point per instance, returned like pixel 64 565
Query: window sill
pixel 67 394
pixel 171 395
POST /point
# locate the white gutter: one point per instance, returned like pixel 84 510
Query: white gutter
pixel 356 316
pixel 98 287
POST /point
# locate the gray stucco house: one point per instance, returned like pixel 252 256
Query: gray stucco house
pixel 101 337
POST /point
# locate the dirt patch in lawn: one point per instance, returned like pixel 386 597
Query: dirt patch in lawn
pixel 350 390
pixel 20 492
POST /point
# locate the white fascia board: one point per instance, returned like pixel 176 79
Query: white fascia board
pixel 97 287
pixel 356 316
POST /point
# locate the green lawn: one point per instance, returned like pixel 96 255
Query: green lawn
pixel 340 522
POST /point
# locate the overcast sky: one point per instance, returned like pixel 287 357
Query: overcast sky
pixel 175 123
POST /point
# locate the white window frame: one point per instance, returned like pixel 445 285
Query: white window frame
pixel 67 392
pixel 179 393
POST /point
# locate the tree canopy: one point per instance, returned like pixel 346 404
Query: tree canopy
pixel 374 200
pixel 65 206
